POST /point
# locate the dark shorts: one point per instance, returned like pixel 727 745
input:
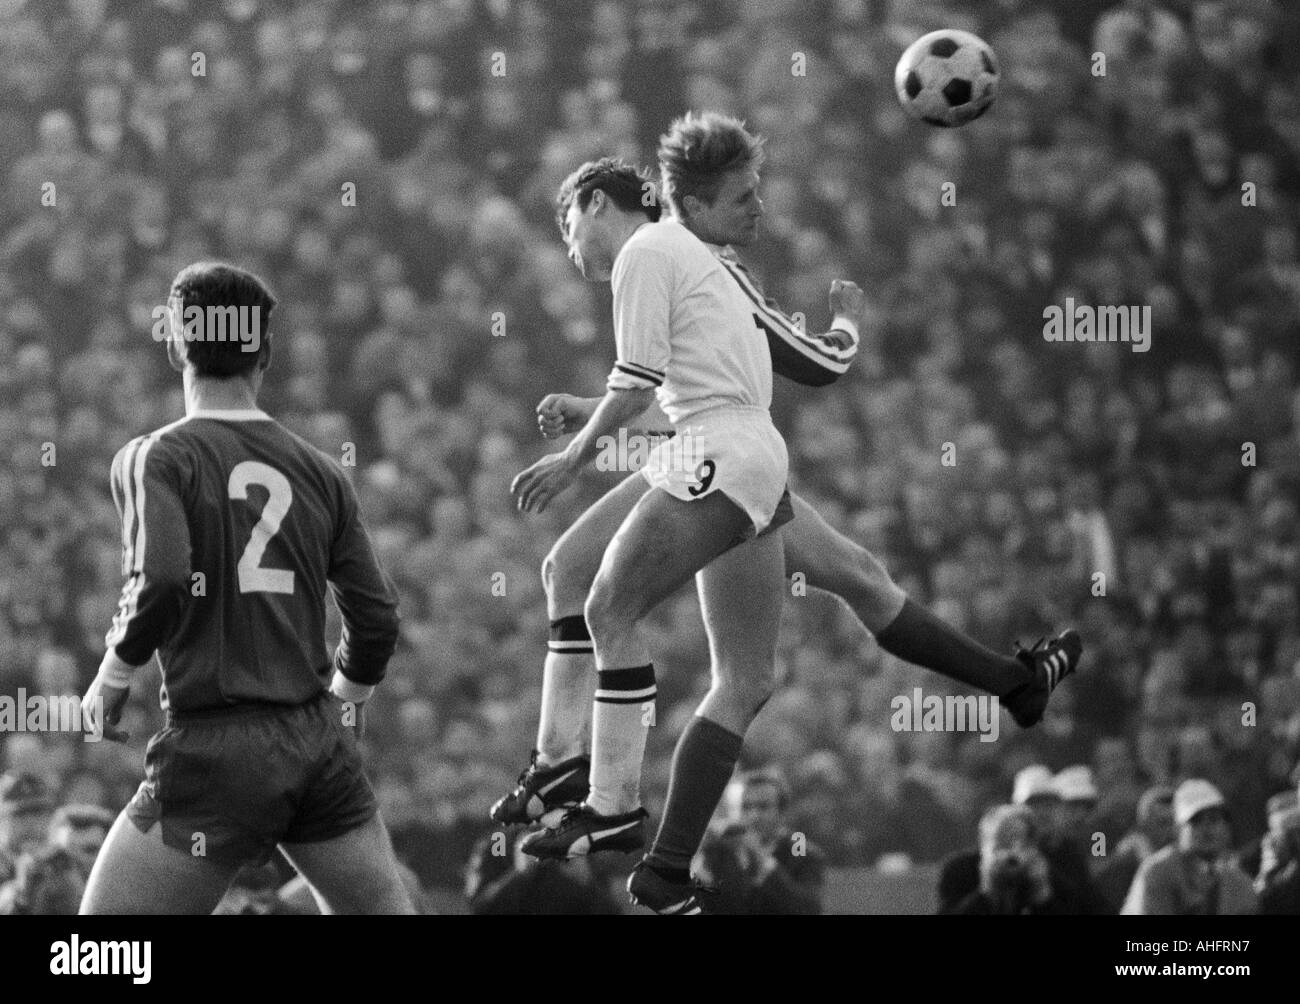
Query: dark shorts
pixel 783 514
pixel 230 785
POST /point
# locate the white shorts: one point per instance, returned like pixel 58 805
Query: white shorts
pixel 733 450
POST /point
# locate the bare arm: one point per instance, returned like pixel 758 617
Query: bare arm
pixel 562 414
pixel 534 488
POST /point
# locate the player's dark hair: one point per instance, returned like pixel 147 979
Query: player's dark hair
pixel 629 187
pixel 699 150
pixel 215 287
pixel 769 776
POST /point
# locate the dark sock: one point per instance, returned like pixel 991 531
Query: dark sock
pixel 702 767
pixel 679 875
pixel 919 637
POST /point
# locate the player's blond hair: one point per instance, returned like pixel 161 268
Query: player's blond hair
pixel 699 150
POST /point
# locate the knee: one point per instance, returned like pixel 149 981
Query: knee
pixel 748 690
pixel 550 572
pixel 600 610
pixel 861 579
pixel 562 592
pixel 611 608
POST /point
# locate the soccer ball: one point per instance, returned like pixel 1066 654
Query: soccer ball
pixel 947 78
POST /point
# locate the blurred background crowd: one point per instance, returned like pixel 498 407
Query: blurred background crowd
pixel 1147 498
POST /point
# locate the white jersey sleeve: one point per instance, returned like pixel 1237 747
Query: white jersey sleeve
pixel 642 283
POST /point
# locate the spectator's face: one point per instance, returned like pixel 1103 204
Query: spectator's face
pixel 52 882
pixel 82 842
pixel 1159 823
pixel 1075 815
pixel 732 217
pixel 1014 835
pixel 1007 855
pixel 1206 834
pixel 1047 810
pixel 760 810
pixel 24 830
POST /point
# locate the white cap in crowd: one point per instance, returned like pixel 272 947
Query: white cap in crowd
pixel 1075 784
pixel 1034 781
pixel 1193 796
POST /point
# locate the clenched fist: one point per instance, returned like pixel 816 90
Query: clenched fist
pixel 847 299
pixel 561 414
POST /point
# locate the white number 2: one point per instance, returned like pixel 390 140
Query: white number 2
pixel 252 577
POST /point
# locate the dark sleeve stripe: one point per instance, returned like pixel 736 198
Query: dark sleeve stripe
pixel 795 366
pixel 640 372
pixel 648 371
pixel 822 344
pixel 781 326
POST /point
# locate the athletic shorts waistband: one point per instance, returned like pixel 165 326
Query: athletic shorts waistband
pixel 725 410
pixel 235 712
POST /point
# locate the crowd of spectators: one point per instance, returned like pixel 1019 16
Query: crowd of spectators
pixel 1040 854
pixel 389 168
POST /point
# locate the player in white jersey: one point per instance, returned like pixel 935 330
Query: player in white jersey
pixel 724 215
pixel 685 334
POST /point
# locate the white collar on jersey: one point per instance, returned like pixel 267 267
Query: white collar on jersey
pixel 232 414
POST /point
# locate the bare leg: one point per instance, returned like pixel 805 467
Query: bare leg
pixel 660 546
pixel 834 563
pixel 741 596
pixel 570 568
pixel 663 543
pixel 355 873
pixel 137 873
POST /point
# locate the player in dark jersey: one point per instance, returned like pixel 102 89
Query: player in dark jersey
pixel 232 529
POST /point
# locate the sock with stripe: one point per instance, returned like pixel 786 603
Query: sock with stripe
pixel 568 675
pixel 621 717
pixel 919 637
pixel 702 767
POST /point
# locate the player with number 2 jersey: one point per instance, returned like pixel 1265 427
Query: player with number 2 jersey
pixel 233 530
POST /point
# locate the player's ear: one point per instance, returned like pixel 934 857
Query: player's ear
pixel 264 354
pixel 693 204
pixel 174 355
